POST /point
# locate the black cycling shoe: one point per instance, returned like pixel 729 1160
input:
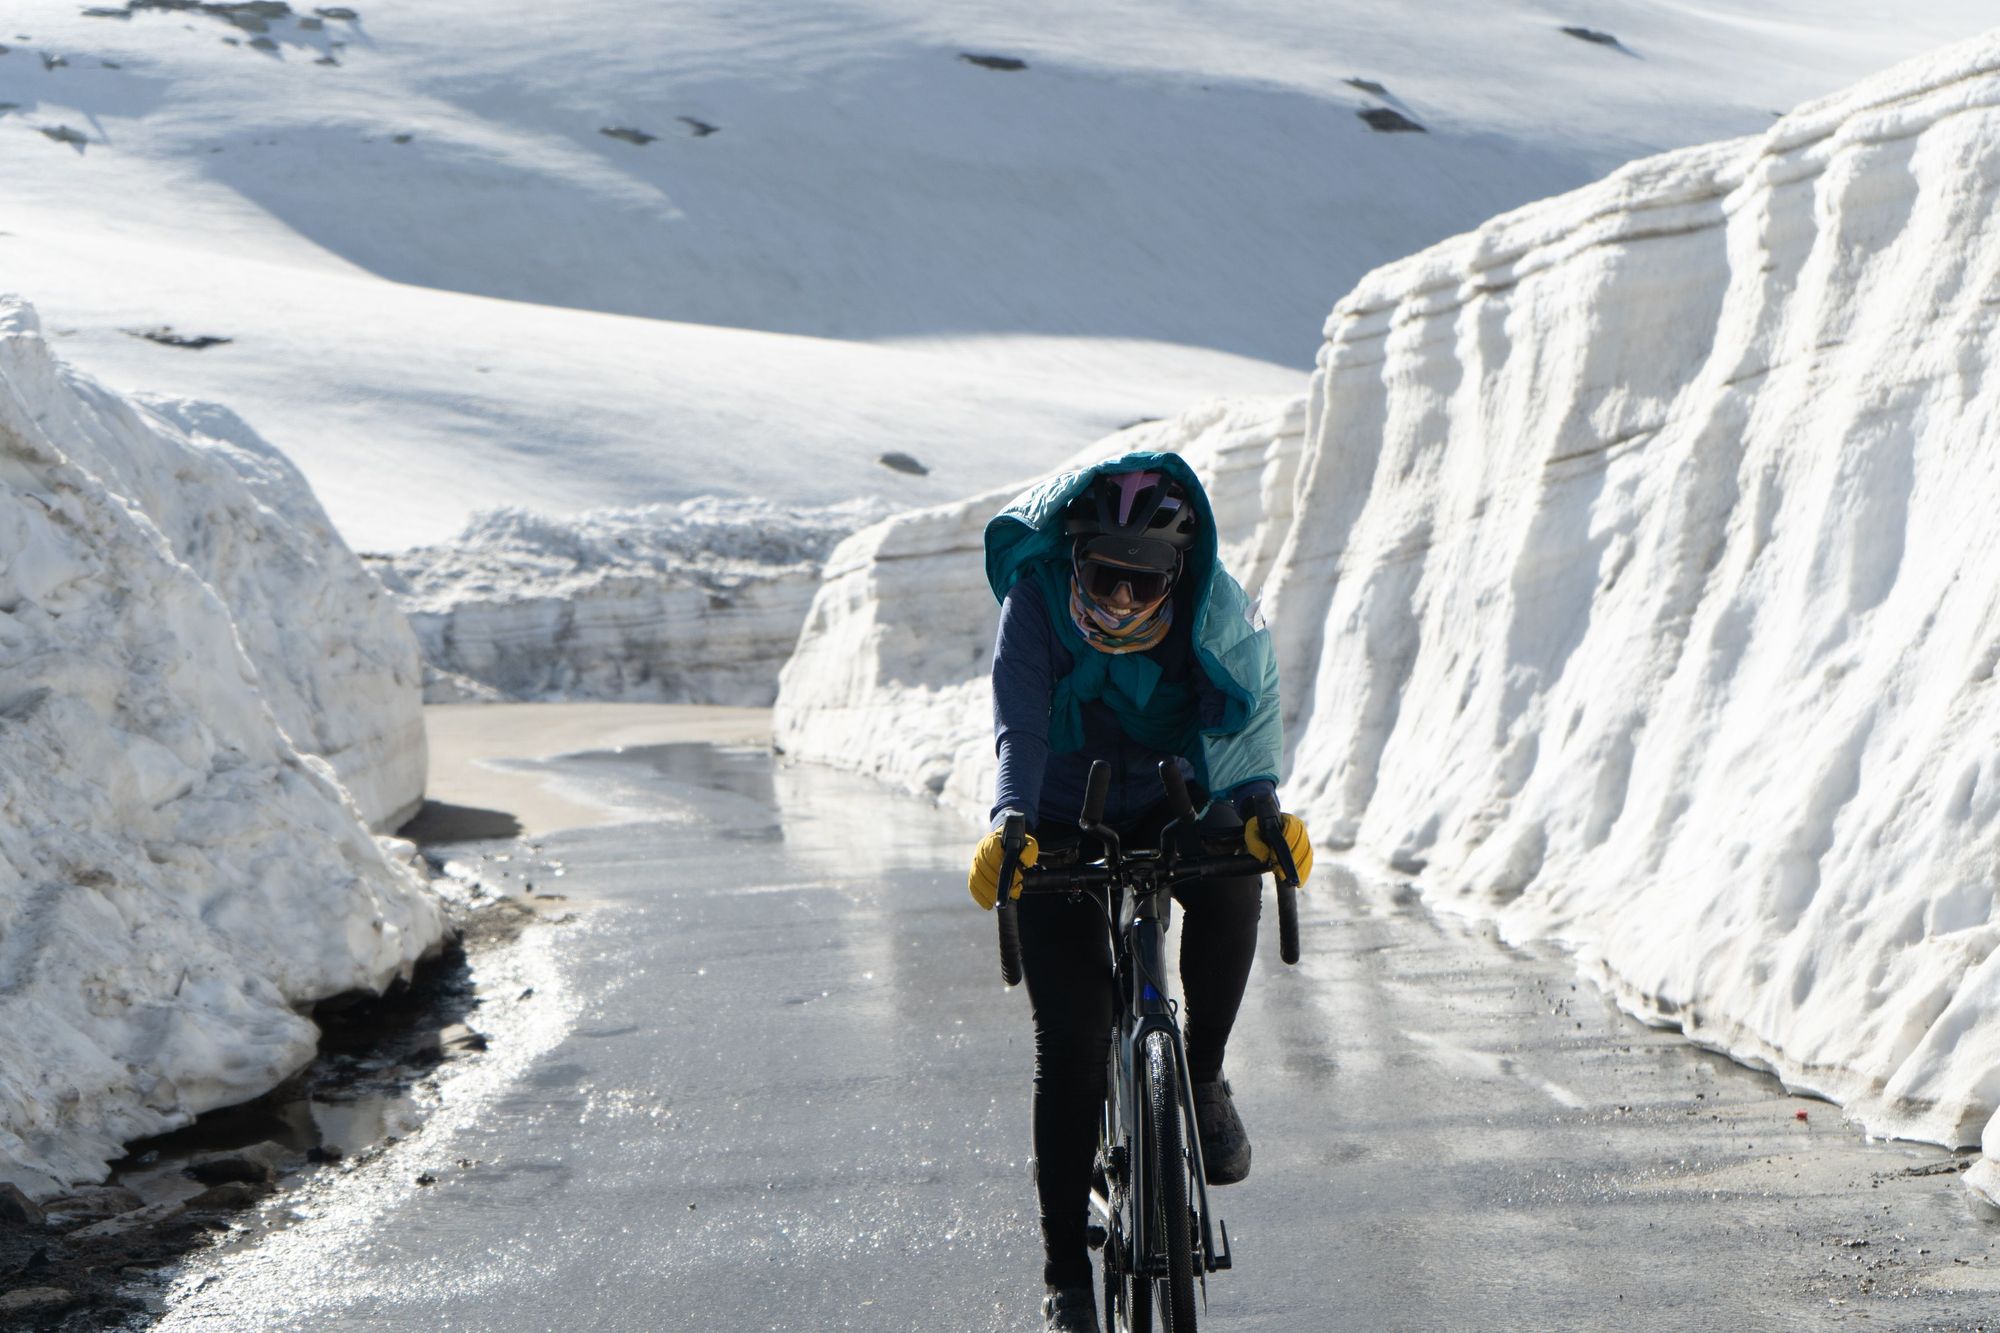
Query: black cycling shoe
pixel 1225 1146
pixel 1070 1310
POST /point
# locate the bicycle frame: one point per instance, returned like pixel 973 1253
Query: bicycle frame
pixel 1141 1006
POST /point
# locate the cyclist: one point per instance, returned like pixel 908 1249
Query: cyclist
pixel 1122 638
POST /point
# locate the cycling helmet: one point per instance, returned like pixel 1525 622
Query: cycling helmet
pixel 1132 528
pixel 1145 506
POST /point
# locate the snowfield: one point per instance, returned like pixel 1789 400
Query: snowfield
pixel 179 874
pixel 1637 593
pixel 474 254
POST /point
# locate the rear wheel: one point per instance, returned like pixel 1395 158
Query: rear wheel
pixel 1138 1303
pixel 1167 1175
pixel 1128 1298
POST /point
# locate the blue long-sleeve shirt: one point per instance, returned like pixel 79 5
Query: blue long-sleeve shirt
pixel 1029 658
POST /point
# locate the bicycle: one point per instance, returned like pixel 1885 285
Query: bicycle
pixel 1150 1201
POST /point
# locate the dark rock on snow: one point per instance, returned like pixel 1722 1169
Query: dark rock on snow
pixel 1007 63
pixel 166 337
pixel 1389 122
pixel 1593 36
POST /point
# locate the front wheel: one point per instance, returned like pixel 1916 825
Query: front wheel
pixel 1167 1178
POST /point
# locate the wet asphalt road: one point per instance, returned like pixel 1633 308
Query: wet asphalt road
pixel 768 1079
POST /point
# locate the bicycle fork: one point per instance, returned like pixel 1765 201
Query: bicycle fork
pixel 1151 1012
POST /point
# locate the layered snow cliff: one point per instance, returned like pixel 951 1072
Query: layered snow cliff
pixel 177 878
pixel 698 602
pixel 1640 594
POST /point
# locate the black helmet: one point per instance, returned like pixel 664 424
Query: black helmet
pixel 1148 506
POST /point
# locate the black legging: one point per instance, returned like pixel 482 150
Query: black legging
pixel 1066 958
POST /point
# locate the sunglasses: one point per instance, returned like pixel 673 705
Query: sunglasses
pixel 1100 581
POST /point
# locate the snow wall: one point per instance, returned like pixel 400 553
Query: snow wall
pixel 337 662
pixel 177 879
pixel 697 602
pixel 1647 599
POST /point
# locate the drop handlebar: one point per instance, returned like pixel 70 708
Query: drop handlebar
pixel 1149 869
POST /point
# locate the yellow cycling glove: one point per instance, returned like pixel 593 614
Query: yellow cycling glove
pixel 1295 839
pixel 984 881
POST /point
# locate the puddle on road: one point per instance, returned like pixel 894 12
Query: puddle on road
pixel 743 770
pixel 731 786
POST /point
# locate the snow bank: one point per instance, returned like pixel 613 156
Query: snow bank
pixel 699 602
pixel 890 676
pixel 1646 601
pixel 336 662
pixel 176 878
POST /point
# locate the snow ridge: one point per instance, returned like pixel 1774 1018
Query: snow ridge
pixel 176 878
pixel 697 602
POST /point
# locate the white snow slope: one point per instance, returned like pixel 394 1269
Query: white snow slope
pixel 450 291
pixel 176 877
pixel 1641 592
pixel 699 602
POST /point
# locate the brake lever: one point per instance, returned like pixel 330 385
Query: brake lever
pixel 1271 826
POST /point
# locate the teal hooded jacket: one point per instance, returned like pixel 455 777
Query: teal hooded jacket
pixel 1239 744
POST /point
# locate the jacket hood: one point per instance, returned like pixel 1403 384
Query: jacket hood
pixel 1029 530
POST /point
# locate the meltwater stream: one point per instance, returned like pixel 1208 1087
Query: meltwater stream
pixel 767 1078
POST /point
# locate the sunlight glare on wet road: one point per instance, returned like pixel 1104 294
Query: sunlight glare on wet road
pixel 769 1079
